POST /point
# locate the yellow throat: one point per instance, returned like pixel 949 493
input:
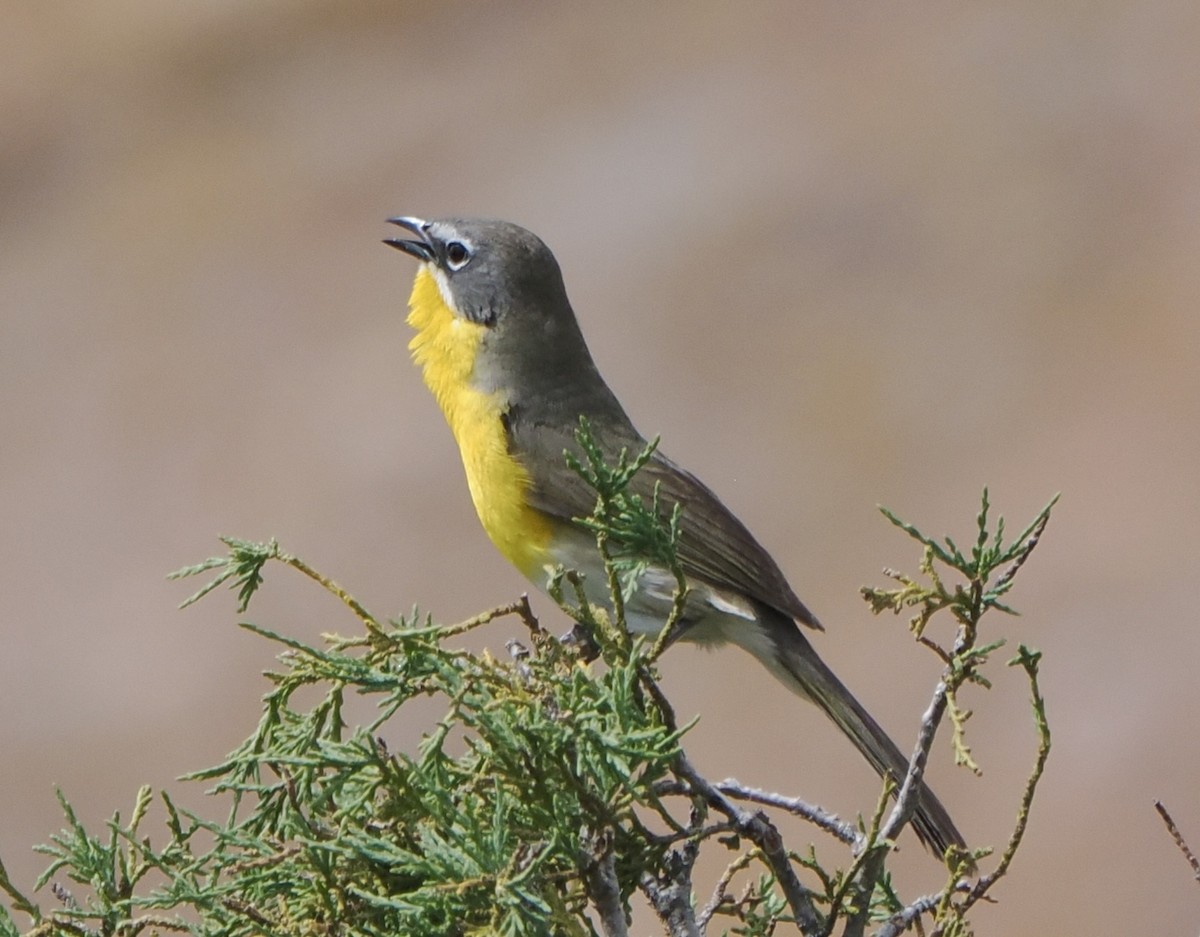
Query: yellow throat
pixel 445 347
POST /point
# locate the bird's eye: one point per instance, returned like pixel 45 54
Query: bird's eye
pixel 457 255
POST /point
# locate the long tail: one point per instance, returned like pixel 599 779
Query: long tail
pixel 797 665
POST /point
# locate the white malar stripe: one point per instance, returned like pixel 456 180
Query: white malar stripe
pixel 443 285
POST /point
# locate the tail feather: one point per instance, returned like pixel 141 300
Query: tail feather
pixel 798 666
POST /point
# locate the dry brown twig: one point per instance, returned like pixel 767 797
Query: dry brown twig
pixel 1179 840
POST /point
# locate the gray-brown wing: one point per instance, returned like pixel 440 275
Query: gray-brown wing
pixel 714 546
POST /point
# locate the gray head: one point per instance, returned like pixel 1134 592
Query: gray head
pixel 490 268
pixel 503 277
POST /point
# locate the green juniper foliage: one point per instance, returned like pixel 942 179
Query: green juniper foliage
pixel 547 794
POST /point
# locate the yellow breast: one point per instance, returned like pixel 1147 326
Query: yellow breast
pixel 445 348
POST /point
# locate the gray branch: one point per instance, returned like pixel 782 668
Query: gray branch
pixel 906 804
pixel 671 895
pixel 758 828
pixel 600 872
pixel 899 922
pixel 909 794
pixel 732 787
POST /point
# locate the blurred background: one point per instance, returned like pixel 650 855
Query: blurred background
pixel 837 256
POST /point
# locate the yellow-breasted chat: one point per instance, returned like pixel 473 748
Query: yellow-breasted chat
pixel 501 350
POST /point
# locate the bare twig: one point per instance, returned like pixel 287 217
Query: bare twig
pixel 734 788
pixel 700 833
pixel 1031 541
pixel 906 804
pixel 909 794
pixel 525 612
pixel 262 862
pixel 289 785
pixel 376 636
pixel 157 921
pixel 1179 840
pixel 63 894
pixel 332 587
pixel 55 925
pixel 758 828
pixel 245 908
pixel 722 886
pixel 519 608
pixel 1028 660
pixel 899 922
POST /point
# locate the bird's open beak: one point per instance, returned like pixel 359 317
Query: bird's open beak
pixel 422 249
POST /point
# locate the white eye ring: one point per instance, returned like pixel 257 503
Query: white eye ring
pixel 458 255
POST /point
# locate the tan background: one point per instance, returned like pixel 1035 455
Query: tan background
pixel 837 257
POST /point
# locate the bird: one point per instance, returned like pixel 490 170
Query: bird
pixel 500 348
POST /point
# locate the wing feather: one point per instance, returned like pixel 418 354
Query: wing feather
pixel 714 546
